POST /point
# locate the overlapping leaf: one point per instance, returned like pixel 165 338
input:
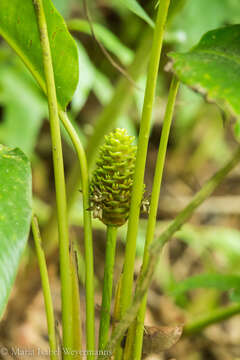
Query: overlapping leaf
pixel 18 27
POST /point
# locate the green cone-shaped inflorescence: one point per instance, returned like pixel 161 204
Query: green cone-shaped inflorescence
pixel 111 184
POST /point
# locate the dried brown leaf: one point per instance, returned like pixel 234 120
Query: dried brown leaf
pixel 159 339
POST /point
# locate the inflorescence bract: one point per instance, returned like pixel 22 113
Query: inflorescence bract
pixel 111 185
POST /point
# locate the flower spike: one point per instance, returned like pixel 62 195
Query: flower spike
pixel 111 185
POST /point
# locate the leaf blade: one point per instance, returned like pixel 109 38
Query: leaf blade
pixel 15 215
pixel 212 67
pixel 19 28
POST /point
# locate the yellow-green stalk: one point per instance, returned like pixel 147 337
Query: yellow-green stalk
pixel 110 195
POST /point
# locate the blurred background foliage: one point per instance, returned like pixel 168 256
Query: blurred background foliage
pixel 201 140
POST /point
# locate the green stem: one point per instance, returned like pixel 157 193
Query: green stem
pixel 156 248
pixel 89 270
pixel 107 286
pixel 120 100
pixel 59 178
pixel 106 121
pixel 128 269
pixel 214 317
pixel 116 314
pixel 77 323
pixel 46 290
pixel 136 199
pixel 159 170
pixel 136 331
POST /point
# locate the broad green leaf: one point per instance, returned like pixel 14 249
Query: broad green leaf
pixel 15 215
pixel 18 27
pixel 137 9
pixel 103 34
pixel 213 66
pixel 217 281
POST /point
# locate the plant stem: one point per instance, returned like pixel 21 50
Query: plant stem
pixel 116 314
pixel 107 119
pixel 217 315
pixel 128 268
pixel 105 122
pixel 120 100
pixel 107 286
pixel 46 290
pixel 156 248
pixel 136 332
pixel 77 323
pixel 89 270
pixel 59 178
pixel 136 199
